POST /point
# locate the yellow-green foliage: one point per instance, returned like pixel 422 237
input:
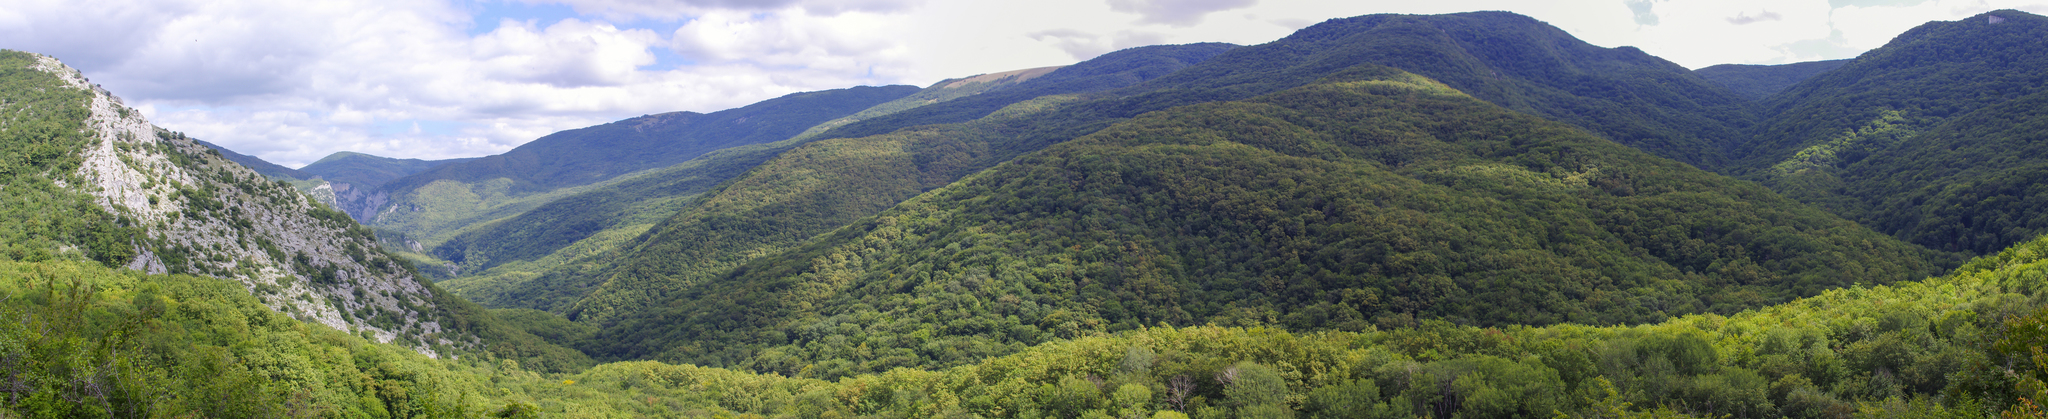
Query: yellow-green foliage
pixel 86 341
pixel 1887 129
pixel 79 340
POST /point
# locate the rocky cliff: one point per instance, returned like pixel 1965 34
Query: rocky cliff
pixel 205 215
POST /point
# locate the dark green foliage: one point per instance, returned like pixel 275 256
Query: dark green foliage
pixel 1375 198
pixel 1976 183
pixel 367 171
pixel 1758 82
pixel 587 155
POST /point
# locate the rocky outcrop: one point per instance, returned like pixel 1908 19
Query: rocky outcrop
pixel 206 215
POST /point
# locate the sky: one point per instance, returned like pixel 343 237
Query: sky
pixel 293 81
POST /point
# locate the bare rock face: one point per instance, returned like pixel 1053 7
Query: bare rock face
pixel 205 215
pixel 359 202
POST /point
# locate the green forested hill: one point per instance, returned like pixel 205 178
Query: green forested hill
pixel 1976 183
pixel 1373 199
pixel 1934 138
pixel 545 229
pixel 1759 82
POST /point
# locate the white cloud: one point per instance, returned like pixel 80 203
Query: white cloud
pixel 292 82
pixel 848 42
pixel 678 9
pixel 571 53
pixel 1180 13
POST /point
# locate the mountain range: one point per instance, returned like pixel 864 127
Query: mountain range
pixel 1462 215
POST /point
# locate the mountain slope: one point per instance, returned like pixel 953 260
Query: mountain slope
pixel 1376 197
pixel 549 227
pixel 705 242
pixel 1759 82
pixel 125 193
pixel 1488 49
pixel 1975 183
pixel 1932 138
pixel 555 289
pixel 1934 71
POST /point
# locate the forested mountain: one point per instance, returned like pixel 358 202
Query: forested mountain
pixel 1934 138
pixel 568 278
pixel 1372 198
pixel 1493 49
pixel 1759 82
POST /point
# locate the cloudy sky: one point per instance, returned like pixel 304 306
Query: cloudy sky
pixel 292 81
